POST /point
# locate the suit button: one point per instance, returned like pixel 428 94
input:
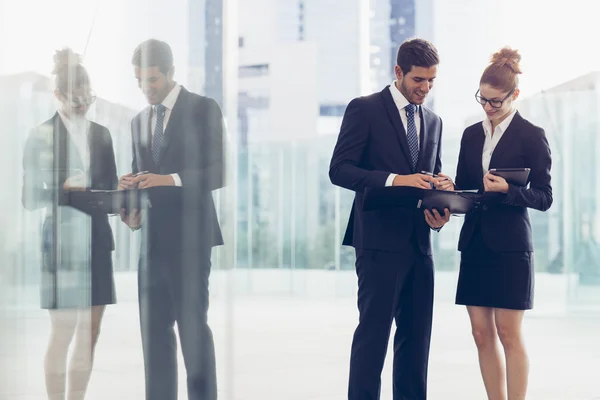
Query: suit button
pixel 484 208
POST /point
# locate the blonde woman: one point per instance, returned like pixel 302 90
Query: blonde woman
pixel 64 154
pixel 496 279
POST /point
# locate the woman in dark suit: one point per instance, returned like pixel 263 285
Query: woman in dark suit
pixel 69 153
pixel 496 279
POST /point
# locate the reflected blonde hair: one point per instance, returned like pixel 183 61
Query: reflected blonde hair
pixel 68 70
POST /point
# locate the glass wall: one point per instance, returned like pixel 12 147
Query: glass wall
pixel 567 237
pixel 282 288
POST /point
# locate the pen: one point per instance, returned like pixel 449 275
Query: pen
pixel 142 173
pixel 433 175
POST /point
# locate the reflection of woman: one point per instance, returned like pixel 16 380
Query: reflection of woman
pixel 496 278
pixel 64 154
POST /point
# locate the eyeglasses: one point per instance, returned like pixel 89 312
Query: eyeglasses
pixel 494 103
pixel 85 100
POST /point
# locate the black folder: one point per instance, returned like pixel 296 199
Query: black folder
pixel 391 197
pixel 516 176
pixel 107 201
pixel 458 202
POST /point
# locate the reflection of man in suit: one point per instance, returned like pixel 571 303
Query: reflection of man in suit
pixel 385 139
pixel 179 141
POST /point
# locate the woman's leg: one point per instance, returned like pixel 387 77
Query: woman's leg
pixel 63 324
pixel 509 324
pixel 82 359
pixel 490 362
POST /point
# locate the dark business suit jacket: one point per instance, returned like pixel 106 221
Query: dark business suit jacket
pixel 47 166
pixel 193 146
pixel 371 145
pixel 75 242
pixel 505 225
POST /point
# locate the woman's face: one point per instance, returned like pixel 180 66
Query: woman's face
pixel 77 101
pixel 496 102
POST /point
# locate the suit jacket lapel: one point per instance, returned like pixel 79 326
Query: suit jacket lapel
pixel 98 157
pixel 60 151
pixel 145 140
pixel 173 125
pixel 69 157
pixel 394 116
pixel 478 142
pixel 95 148
pixel 505 141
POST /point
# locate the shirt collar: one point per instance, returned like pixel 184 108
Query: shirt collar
pixel 74 127
pixel 169 101
pixel 398 97
pixel 487 124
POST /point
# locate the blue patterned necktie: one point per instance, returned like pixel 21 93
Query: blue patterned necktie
pixel 158 132
pixel 411 134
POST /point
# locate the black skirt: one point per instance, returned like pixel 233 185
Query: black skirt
pixel 494 279
pixel 81 275
pixel 79 286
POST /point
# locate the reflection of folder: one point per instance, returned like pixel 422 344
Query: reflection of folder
pixel 516 176
pixel 106 201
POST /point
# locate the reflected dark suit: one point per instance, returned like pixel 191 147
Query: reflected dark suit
pixel 47 165
pixel 393 248
pixel 177 240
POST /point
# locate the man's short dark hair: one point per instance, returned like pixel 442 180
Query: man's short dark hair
pixel 153 53
pixel 416 53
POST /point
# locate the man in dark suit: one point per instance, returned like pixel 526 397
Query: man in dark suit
pixel 178 144
pixel 386 139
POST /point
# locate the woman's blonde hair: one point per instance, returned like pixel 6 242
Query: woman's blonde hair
pixel 503 71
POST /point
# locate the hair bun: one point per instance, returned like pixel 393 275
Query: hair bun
pixel 65 58
pixel 509 57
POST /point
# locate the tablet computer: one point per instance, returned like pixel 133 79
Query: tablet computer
pixel 516 176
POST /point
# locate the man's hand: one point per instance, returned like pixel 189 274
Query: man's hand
pixel 133 220
pixel 421 181
pixel 494 183
pixel 152 180
pixel 443 182
pixel 127 181
pixel 435 220
pixel 76 183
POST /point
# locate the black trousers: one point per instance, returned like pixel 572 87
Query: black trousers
pixel 392 286
pixel 175 289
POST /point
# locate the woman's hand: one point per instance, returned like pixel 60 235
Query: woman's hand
pixel 76 183
pixel 494 183
pixel 127 181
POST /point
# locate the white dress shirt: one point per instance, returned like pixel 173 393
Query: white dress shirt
pixel 402 102
pixel 169 103
pixel 78 129
pixel 491 140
